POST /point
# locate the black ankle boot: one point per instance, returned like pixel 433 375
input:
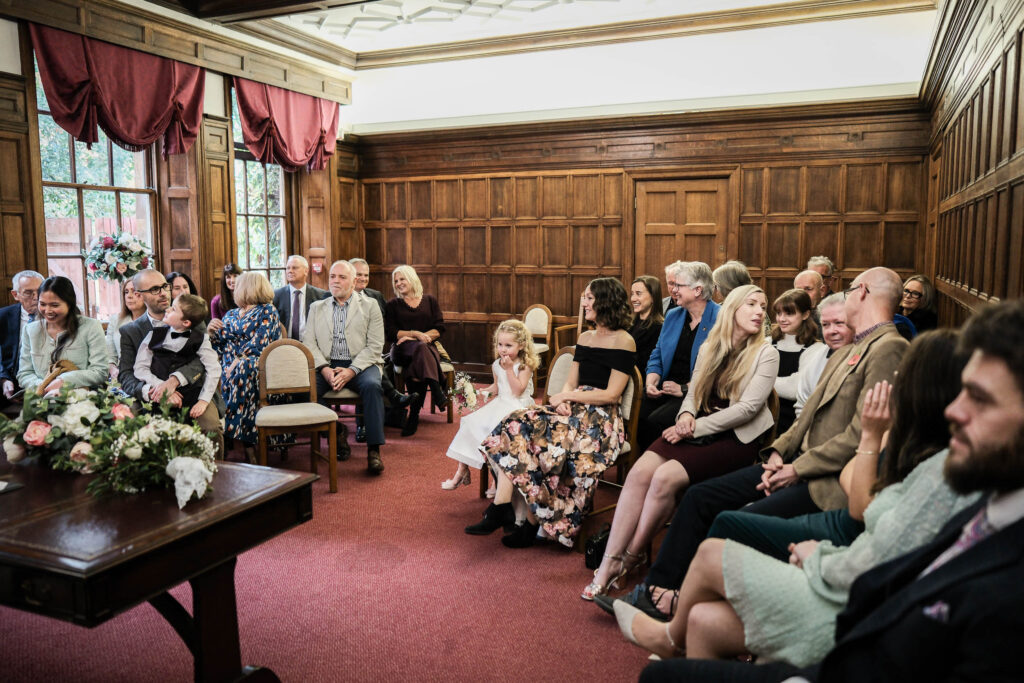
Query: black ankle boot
pixel 494 519
pixel 523 537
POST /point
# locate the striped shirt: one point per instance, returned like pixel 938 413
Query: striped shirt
pixel 339 350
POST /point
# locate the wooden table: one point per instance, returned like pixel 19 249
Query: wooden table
pixel 69 555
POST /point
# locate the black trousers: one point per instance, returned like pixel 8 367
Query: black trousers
pixel 702 503
pixel 655 416
pixel 721 671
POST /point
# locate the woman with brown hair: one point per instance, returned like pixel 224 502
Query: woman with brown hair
pixel 645 298
pixel 225 301
pixel 132 306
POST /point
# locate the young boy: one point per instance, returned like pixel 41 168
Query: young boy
pixel 167 348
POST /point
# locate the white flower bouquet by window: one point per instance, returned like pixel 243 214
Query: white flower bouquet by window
pixel 116 257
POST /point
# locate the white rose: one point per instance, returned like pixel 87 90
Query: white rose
pixel 147 434
pixel 76 413
pixel 110 258
pixel 133 452
pixel 14 451
pixel 125 238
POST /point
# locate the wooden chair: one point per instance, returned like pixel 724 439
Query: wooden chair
pixel 563 334
pixel 286 367
pixel 537 319
pixel 345 397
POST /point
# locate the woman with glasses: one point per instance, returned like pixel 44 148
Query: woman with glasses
pixel 61 333
pixel 918 303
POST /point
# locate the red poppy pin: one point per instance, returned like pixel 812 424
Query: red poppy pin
pixel 853 360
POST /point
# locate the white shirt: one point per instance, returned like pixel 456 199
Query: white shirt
pixel 812 364
pixel 208 357
pixel 302 308
pixel 158 323
pixel 1005 509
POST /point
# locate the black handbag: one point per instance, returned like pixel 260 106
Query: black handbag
pixel 594 547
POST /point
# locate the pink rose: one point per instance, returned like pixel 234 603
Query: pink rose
pixel 35 433
pixel 93 267
pixel 121 268
pixel 144 262
pixel 120 411
pixel 80 452
pixel 108 242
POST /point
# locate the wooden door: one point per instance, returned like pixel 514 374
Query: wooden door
pixel 680 220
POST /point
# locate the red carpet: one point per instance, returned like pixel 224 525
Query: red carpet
pixel 382 584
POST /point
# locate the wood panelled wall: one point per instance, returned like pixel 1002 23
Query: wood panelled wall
pixel 497 219
pixel 978 156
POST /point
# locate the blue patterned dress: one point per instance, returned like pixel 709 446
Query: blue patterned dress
pixel 243 337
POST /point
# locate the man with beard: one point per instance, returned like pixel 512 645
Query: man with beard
pixel 952 610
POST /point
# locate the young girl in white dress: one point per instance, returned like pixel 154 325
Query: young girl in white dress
pixel 513 381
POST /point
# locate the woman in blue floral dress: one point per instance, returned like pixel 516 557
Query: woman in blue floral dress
pixel 240 339
pixel 554 454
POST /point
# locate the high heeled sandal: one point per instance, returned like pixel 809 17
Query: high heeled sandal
pixel 454 483
pixel 635 561
pixel 593 588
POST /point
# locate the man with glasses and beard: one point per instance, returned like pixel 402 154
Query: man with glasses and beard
pixel 952 610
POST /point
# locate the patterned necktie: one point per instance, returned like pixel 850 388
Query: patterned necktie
pixel 296 314
pixel 978 529
pixel 31 317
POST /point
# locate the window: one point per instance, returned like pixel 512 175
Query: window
pixel 88 192
pixel 261 219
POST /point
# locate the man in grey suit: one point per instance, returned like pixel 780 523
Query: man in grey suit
pixel 156 293
pixel 298 289
pixel 345 333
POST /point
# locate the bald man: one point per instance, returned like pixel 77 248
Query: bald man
pixel 810 282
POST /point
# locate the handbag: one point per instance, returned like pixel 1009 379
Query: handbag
pixel 595 546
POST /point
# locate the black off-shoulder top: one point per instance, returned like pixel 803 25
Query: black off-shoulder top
pixel 596 364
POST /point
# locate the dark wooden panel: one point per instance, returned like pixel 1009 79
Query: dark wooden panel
pixel 419 200
pixel 394 201
pixel 782 245
pixel 446 199
pixel 820 239
pixel 395 241
pixel 586 245
pixel 526 192
pixel 753 182
pixel 586 196
pixel 823 189
pixel 555 191
pixel 421 242
pixel 784 190
pixel 474 249
pixel 904 187
pixel 527 245
pixel 501 197
pixel 555 245
pixel 501 253
pixel 448 252
pixel 613 201
pixel 474 293
pixel 375 253
pixel 900 240
pixel 500 287
pixel 750 244
pixel 373 209
pixel 529 290
pixel 474 198
pixel 864 188
pixel 861 245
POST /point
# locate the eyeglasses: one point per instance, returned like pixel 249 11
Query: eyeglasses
pixel 679 285
pixel 912 295
pixel 156 289
pixel 850 290
pixel 29 293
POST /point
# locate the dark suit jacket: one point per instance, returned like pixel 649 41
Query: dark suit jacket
pixel 10 341
pixel 283 302
pixel 132 335
pixel 961 622
pixel 376 296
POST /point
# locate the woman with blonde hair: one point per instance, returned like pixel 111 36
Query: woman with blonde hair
pixel 412 324
pixel 132 306
pixel 240 338
pixel 717 430
pixel 918 303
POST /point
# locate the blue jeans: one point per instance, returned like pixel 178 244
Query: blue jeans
pixel 367 385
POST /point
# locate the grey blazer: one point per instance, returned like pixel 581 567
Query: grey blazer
pixel 364 331
pixel 749 416
pixel 88 350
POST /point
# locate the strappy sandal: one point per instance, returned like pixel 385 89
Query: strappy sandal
pixel 672 604
pixel 593 588
pixel 634 561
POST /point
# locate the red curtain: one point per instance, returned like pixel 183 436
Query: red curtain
pixel 133 96
pixel 287 128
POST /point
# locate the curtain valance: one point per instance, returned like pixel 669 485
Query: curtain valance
pixel 286 128
pixel 133 96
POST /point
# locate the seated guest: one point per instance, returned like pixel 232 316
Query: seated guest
pixel 61 333
pixel 240 338
pixel 412 324
pixel 823 266
pixel 132 306
pixel 918 303
pixel 224 302
pixel 363 280
pixel 952 609
pixel 717 431
pixel 793 334
pixel 168 347
pixel 647 317
pixel 13 318
pixel 294 299
pixel 346 336
pixel 554 454
pixel 801 472
pixel 181 283
pixel 794 621
pixel 154 290
pixel 673 358
pixel 810 282
pixel 835 333
pixel 727 277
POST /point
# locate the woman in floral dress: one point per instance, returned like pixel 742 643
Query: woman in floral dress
pixel 240 339
pixel 554 454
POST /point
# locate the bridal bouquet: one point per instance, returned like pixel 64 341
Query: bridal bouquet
pixel 116 257
pixel 465 393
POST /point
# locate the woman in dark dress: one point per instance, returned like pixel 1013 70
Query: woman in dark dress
pixel 793 333
pixel 645 297
pixel 412 323
pixel 918 303
pixel 554 454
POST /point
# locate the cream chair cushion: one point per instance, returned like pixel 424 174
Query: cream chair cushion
pixel 286 366
pixel 344 394
pixel 294 415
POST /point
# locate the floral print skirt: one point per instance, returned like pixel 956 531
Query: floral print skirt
pixel 555 460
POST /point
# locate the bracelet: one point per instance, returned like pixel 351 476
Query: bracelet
pixel 860 452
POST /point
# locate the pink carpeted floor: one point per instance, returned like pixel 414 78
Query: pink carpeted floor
pixel 382 584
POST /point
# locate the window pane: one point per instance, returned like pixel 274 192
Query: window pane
pixel 99 212
pixel 136 217
pixel 72 269
pixel 254 187
pixel 41 102
pixel 239 188
pixel 257 242
pixel 54 150
pixel 60 211
pixel 241 236
pixel 236 125
pixel 103 298
pixel 277 278
pixel 92 166
pixel 129 168
pixel 276 243
pixel 275 180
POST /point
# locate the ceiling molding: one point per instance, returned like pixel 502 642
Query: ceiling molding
pixel 795 12
pixel 287 36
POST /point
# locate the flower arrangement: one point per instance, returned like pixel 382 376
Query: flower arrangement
pixel 465 393
pixel 116 257
pixel 94 432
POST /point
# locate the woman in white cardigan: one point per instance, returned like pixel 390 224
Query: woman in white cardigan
pixel 717 430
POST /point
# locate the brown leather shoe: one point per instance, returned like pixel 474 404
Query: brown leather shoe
pixel 374 465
